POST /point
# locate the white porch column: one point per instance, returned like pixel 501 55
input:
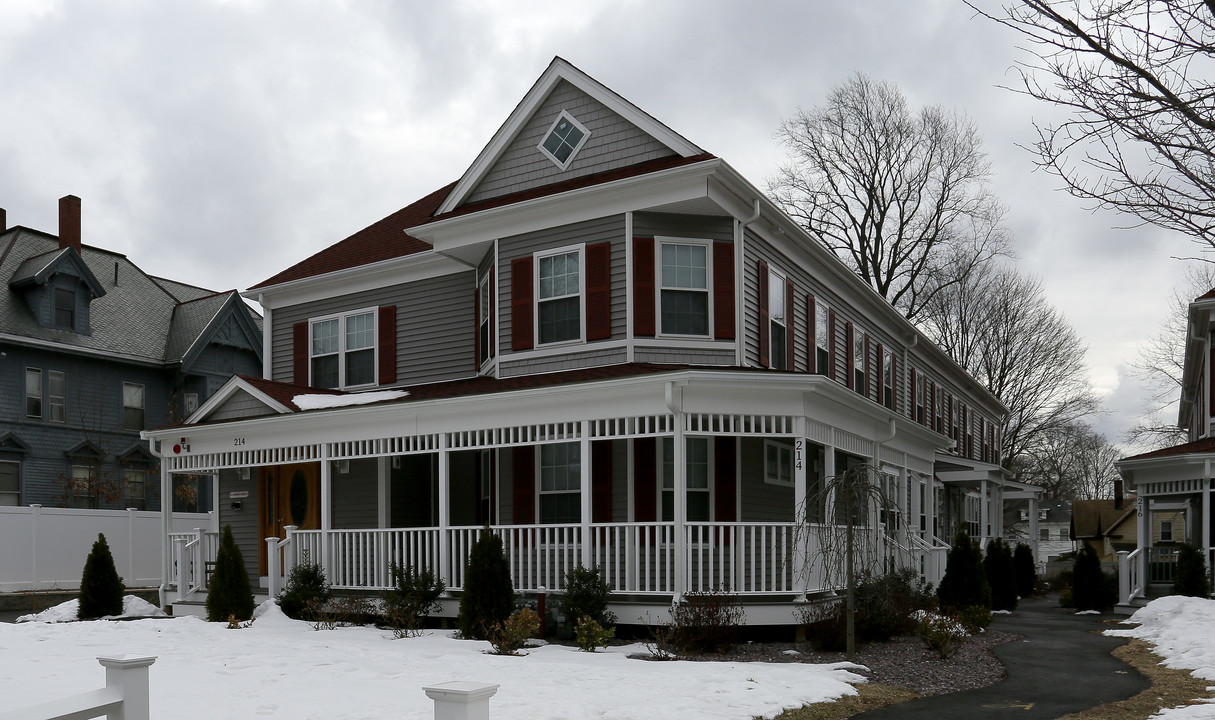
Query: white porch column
pixel 801 507
pixel 444 512
pixel 326 509
pixel 1144 531
pixel 984 511
pixel 1206 512
pixel 383 492
pixel 166 527
pixel 584 497
pixel 829 474
pixel 1033 527
pixel 680 505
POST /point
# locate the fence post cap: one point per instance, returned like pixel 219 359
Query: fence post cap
pixel 461 691
pixel 127 662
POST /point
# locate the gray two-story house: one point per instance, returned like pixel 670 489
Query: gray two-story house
pixel 607 346
pixel 92 351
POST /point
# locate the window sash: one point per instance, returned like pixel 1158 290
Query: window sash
pixel 560 485
pixel 342 350
pixel 135 485
pixel 778 463
pixel 65 308
pixel 483 329
pixel 33 393
pixel 132 406
pixel 777 322
pixel 698 493
pixel 559 297
pixel 10 483
pixel 83 487
pixel 56 392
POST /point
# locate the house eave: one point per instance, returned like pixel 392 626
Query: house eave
pixel 393 271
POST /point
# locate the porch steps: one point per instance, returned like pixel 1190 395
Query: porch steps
pixel 198 608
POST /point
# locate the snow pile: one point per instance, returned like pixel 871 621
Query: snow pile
pixel 132 607
pixel 320 402
pixel 1182 631
pixel 282 668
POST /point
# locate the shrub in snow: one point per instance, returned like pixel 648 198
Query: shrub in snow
pixel 884 604
pixel 306 593
pixel 586 595
pixel 412 598
pixel 100 587
pixel 940 633
pixel 1024 570
pixel 998 567
pixel 965 582
pixel 706 621
pixel 1190 576
pixel 1090 587
pixel 489 595
pixel 509 637
pixel 590 634
pixel 228 594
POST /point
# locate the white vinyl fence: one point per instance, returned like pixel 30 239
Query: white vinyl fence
pixel 45 548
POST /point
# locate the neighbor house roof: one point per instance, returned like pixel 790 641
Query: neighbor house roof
pixel 1097 518
pixel 1205 445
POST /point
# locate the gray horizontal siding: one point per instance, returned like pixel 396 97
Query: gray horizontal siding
pixel 761 501
pixel 356 495
pixel 684 356
pixel 245 527
pixel 646 224
pixel 614 142
pixel 571 361
pixel 240 405
pixel 435 333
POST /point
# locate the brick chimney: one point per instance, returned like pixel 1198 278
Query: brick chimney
pixel 1118 497
pixel 69 222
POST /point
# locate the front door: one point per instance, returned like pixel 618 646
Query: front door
pixel 290 495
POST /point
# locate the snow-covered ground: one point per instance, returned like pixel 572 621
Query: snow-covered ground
pixel 282 668
pixel 1182 629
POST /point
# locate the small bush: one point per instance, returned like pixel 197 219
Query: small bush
pixel 589 634
pixel 228 592
pixel 586 595
pixel 941 633
pixel 489 595
pixel 1090 589
pixel 509 637
pixel 706 621
pixel 661 644
pixel 1024 570
pixel 306 593
pixel 413 597
pixel 826 625
pixel 100 587
pixel 975 618
pixel 965 582
pixel 1190 576
pixel 998 566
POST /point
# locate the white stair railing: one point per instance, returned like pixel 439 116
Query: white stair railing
pixel 125 695
pixel 274 568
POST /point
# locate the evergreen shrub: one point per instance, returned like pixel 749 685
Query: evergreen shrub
pixel 1090 587
pixel 100 587
pixel 998 566
pixel 586 595
pixel 412 598
pixel 306 593
pixel 1024 570
pixel 228 592
pixel 965 582
pixel 489 594
pixel 1190 576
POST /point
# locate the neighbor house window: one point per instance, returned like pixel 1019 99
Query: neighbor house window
pixel 483 331
pixel 1062 533
pixel 10 483
pixel 685 289
pixel 822 340
pixel 858 361
pixel 65 308
pixel 190 403
pixel 134 488
pixel 564 139
pixel 56 390
pixel 1166 531
pixel 778 463
pixel 559 302
pixel 560 483
pixel 696 463
pixel 82 489
pixel 777 321
pixel 33 393
pixel 132 406
pixel 343 350
pixel 1044 535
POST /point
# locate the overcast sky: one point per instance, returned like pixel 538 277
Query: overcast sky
pixel 220 142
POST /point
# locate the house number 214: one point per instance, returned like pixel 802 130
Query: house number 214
pixel 798 454
pixel 237 442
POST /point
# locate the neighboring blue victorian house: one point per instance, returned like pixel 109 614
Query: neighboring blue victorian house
pixel 93 350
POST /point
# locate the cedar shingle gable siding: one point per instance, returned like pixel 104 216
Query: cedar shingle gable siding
pixel 614 143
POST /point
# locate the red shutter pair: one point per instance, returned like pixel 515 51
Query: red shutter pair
pixel 386 348
pixel 645 289
pixel 598 297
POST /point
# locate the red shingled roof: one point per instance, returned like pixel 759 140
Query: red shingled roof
pixel 387 239
pixel 1205 445
pixel 1209 294
pixel 282 392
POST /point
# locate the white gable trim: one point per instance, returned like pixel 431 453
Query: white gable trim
pixel 230 388
pixel 557 71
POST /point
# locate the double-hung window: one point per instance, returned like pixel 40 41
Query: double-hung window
pixel 822 340
pixel 10 483
pixel 483 331
pixel 132 406
pixel 65 309
pixel 559 302
pixel 560 483
pixel 685 289
pixel 778 324
pixel 778 463
pixel 343 350
pixel 858 361
pixel 56 391
pixel 919 399
pixel 82 491
pixel 696 464
pixel 135 488
pixel 33 392
pixel 887 379
pixel 1166 531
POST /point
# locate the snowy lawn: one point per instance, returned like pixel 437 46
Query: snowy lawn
pixel 283 668
pixel 1182 629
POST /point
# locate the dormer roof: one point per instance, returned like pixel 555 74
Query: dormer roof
pixel 40 268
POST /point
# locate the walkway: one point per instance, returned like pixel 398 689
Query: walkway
pixel 1063 665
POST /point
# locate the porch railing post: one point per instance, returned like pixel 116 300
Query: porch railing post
pixel 273 571
pixel 289 550
pixel 326 509
pixel 585 496
pixel 801 539
pixel 1124 578
pixel 461 700
pixel 129 675
pixel 680 505
pixel 444 513
pixel 183 574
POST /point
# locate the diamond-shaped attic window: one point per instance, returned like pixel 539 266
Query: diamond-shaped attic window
pixel 564 139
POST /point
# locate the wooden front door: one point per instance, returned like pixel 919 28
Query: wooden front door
pixel 290 495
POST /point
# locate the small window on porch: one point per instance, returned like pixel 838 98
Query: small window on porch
pixel 697 463
pixel 778 463
pixel 1044 535
pixel 560 483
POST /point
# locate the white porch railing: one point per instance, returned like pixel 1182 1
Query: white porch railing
pixel 1131 583
pixel 930 557
pixel 193 558
pixel 124 696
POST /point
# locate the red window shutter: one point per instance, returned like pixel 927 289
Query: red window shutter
pixel 725 467
pixel 811 338
pixel 645 457
pixel 477 359
pixel 388 344
pixel 790 326
pixel 764 319
pixel 521 306
pixel 723 290
pixel 523 484
pixel 601 481
pixel 299 353
pixel 599 291
pixel 930 403
pixel 1211 385
pixel 493 342
pixel 874 382
pixel 849 360
pixel 643 287
pixel 831 349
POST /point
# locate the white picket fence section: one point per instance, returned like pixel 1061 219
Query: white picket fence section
pixel 45 548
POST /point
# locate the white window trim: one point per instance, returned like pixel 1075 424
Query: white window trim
pixel 341 352
pixel 41 393
pixel 586 135
pixel 858 339
pixel 770 480
pixel 580 248
pixel 485 297
pixel 772 320
pixel 539 481
pixel 712 477
pixel 658 287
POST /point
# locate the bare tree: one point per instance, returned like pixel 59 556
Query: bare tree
pixel 1161 364
pixel 901 196
pixel 1072 462
pixel 1134 78
pixel 1002 330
